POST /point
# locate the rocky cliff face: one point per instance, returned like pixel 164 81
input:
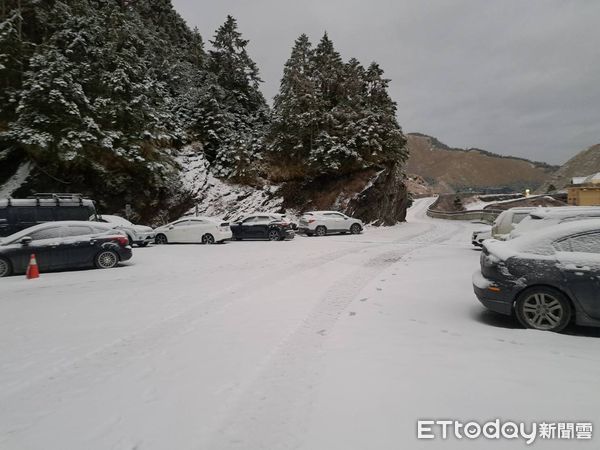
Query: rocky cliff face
pixel 377 195
pixel 449 169
pixel 385 200
pixel 584 163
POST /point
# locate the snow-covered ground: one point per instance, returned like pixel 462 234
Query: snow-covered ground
pixel 341 342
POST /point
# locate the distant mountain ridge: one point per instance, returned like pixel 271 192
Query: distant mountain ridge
pixel 586 162
pixel 449 169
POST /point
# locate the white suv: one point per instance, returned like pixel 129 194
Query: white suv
pixel 137 234
pixel 325 222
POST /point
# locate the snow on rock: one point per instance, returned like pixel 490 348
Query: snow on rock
pixel 215 197
pixel 17 180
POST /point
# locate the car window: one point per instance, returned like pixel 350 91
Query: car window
pixel 99 229
pixel 71 213
pixel 44 214
pixel 46 233
pixel 517 217
pixel 249 219
pixel 76 230
pixel 181 223
pixel 198 221
pixel 584 243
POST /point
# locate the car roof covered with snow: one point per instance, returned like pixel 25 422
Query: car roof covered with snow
pixel 61 223
pixel 540 242
pixel 116 220
pixel 565 211
pixel 323 212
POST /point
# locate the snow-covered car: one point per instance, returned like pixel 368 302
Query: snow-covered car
pixel 321 223
pixel 63 245
pixel 507 220
pixel 262 226
pixel 546 217
pixel 199 230
pixel 478 237
pixel 281 218
pixel 138 234
pixel 547 278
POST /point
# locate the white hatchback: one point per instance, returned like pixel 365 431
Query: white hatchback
pixel 199 230
pixel 321 223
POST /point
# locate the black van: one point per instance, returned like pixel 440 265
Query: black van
pixel 18 214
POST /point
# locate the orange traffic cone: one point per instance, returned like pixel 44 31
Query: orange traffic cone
pixel 32 268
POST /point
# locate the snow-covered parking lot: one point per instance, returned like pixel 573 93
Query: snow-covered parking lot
pixel 341 342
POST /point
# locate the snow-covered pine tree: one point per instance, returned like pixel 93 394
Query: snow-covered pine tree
pixel 331 116
pixel 295 117
pixel 238 115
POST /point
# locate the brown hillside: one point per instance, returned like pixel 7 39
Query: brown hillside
pixel 450 169
pixel 584 163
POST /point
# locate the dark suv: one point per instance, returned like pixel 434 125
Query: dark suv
pixel 18 214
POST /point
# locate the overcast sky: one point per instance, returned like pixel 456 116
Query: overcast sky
pixel 518 77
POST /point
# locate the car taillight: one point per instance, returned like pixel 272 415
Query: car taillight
pixel 121 240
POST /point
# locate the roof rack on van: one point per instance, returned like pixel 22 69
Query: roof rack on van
pixel 58 196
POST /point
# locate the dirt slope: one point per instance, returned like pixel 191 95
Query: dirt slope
pixel 586 162
pixel 450 169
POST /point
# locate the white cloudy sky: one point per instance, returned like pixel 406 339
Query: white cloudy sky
pixel 515 77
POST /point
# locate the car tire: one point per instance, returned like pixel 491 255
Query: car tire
pixel 237 239
pixel 208 239
pixel 355 228
pixel 143 244
pixel 320 230
pixel 106 259
pixel 161 239
pixel 543 308
pixel 274 235
pixel 5 267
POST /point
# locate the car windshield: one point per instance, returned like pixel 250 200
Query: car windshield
pixel 116 220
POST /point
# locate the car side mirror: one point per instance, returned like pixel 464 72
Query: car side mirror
pixel 171 227
pixel 26 240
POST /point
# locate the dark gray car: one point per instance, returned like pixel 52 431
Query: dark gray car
pixel 547 279
pixel 64 245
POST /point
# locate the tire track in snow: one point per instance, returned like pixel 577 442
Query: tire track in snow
pixel 278 401
pixel 63 381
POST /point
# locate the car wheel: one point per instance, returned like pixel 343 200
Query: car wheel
pixel 208 239
pixel 321 230
pixel 5 268
pixel 161 239
pixel 274 235
pixel 106 259
pixel 355 228
pixel 543 308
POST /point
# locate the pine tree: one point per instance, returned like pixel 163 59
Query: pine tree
pixel 234 112
pixel 331 116
pixel 295 108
